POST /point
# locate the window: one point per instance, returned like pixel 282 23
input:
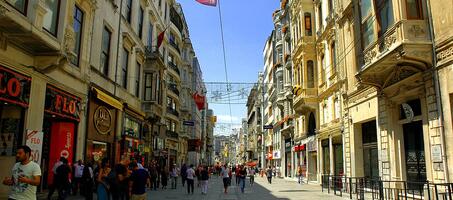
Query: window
pixel 137 80
pixel 337 108
pixel 330 2
pixel 320 17
pixel 124 68
pixel 310 74
pixel 324 114
pixel 308 30
pixel 385 15
pixel 165 16
pixel 148 87
pixel 323 68
pixel 20 5
pixel 105 52
pixel 414 9
pixel 140 22
pixel 50 20
pixel 367 23
pixel 333 58
pixel 78 26
pixel 150 35
pixel 128 10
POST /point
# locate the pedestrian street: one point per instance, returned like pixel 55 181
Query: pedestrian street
pixel 280 189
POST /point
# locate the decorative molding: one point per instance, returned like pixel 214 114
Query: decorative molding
pixel 444 54
pixel 417 30
pixel 3 10
pixel 3 41
pixel 69 41
pixel 369 56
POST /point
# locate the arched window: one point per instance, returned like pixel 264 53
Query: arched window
pixel 310 74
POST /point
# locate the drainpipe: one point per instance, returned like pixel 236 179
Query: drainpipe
pixel 118 48
pixel 438 92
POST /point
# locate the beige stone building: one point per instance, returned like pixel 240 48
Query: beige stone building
pixel 93 81
pixel 443 78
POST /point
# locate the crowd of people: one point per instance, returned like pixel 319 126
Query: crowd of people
pixel 129 179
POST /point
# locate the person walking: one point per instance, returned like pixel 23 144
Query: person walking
pixel 269 175
pixel 225 174
pixel 164 178
pixel 137 182
pixel 103 186
pixel 204 180
pixel 62 180
pixel 190 179
pixel 183 174
pixel 299 174
pixel 174 176
pixel 53 186
pixel 87 182
pixel 242 176
pixel 236 173
pixel 198 175
pixel 119 180
pixel 154 175
pixel 26 176
pixel 78 172
pixel 251 174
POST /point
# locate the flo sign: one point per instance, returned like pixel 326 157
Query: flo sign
pixel 34 141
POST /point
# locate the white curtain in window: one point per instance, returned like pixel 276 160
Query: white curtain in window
pixel 51 17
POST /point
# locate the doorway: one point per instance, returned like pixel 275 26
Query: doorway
pixel 370 150
pixel 414 152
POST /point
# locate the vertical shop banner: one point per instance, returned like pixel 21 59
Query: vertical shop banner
pixel 61 140
pixel 34 141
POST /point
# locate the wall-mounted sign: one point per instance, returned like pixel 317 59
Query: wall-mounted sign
pixel 34 141
pixel 62 103
pixel 268 127
pixel 188 123
pixel 103 120
pixel 436 153
pixel 14 87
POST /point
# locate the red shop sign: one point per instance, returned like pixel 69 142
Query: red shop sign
pixel 14 87
pixel 62 103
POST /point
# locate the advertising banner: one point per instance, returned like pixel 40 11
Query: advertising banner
pixel 62 140
pixel 34 141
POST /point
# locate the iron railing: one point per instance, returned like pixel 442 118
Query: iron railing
pixel 174 67
pixel 375 188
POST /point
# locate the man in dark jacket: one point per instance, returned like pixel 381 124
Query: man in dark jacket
pixel 137 182
pixel 62 180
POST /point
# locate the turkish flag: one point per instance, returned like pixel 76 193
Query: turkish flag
pixel 200 101
pixel 208 2
pixel 160 38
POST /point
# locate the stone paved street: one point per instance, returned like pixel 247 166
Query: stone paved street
pixel 280 189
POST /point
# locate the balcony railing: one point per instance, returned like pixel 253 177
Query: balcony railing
pixel 174 67
pixel 172 111
pixel 175 46
pixel 375 188
pixel 174 88
pixel 172 134
pixel 152 52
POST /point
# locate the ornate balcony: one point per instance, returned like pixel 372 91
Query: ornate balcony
pixel 173 88
pixel 174 67
pixel 172 134
pixel 305 99
pixel 172 111
pixel 154 56
pixel 404 50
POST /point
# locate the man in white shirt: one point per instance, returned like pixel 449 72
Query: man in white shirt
pixel 190 176
pixel 78 172
pixel 26 175
pixel 225 173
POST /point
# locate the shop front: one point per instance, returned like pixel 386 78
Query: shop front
pixel 61 119
pixel 132 143
pixel 102 116
pixel 14 103
pixel 172 147
pixel 288 157
pixel 300 159
pixel 312 159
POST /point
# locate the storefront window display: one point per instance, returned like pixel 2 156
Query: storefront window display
pixel 11 126
pixel 132 127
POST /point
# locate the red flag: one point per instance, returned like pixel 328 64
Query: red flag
pixel 208 2
pixel 160 38
pixel 200 101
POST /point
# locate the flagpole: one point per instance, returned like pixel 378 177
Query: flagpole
pixel 225 62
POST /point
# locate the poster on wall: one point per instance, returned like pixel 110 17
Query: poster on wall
pixel 34 141
pixel 62 140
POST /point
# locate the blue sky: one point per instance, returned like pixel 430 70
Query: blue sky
pixel 247 24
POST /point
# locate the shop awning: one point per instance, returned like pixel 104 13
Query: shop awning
pixel 108 99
